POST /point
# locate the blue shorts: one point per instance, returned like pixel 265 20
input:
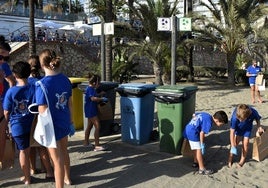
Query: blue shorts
pixel 22 141
pixel 243 133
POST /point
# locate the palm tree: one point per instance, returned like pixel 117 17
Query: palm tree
pixel 108 41
pixel 230 26
pixel 107 9
pixel 32 44
pixel 158 49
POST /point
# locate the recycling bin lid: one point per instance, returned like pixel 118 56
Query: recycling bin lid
pixel 135 89
pixel 176 88
pixel 173 93
pixel 76 81
pixel 138 86
pixel 107 85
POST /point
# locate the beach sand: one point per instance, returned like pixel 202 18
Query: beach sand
pixel 126 165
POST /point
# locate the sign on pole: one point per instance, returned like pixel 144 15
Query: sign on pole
pixel 96 29
pixel 185 24
pixel 108 29
pixel 163 24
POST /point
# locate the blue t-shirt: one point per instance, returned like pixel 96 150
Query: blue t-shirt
pixel 59 91
pixel 7 72
pixel 202 121
pixel 16 101
pixel 242 127
pixel 32 80
pixel 253 70
pixel 90 107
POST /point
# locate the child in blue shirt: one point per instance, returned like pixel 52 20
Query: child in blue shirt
pixel 15 105
pixel 59 93
pixel 195 132
pixel 91 111
pixel 241 127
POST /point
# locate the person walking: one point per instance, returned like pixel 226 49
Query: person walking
pixel 252 72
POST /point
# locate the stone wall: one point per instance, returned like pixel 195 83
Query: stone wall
pixel 204 57
pixel 209 58
pixel 76 60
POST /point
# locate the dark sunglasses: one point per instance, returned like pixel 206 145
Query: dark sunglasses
pixel 5 58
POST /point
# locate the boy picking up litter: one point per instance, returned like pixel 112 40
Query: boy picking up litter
pixel 241 126
pixel 195 132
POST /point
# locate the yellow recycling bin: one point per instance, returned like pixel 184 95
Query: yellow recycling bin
pixel 77 99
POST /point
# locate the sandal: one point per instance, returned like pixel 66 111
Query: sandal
pixel 239 165
pixel 100 148
pixel 205 172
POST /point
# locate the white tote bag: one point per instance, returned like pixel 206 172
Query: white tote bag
pixel 44 131
pixel 262 87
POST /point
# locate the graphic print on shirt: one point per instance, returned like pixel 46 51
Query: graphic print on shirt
pixel 62 100
pixel 195 120
pixel 21 107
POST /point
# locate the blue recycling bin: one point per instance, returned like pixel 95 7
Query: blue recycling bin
pixel 137 112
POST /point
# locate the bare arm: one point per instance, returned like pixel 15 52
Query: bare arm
pixel 6 114
pixel 258 123
pixel 202 137
pixel 11 80
pixel 42 108
pixel 96 99
pixel 232 137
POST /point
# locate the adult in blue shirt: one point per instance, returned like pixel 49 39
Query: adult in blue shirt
pixel 252 72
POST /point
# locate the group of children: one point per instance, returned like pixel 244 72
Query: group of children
pixel 18 98
pixel 241 125
pixel 19 91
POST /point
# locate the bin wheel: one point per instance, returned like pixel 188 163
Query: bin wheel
pixel 116 128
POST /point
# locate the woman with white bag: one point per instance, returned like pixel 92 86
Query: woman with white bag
pixel 59 90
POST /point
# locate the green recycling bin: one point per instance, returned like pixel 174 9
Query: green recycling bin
pixel 175 107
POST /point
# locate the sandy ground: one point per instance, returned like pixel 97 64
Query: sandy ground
pixel 126 165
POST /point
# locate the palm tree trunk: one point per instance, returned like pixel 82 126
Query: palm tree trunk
pixel 108 42
pixel 231 57
pixel 32 45
pixel 157 73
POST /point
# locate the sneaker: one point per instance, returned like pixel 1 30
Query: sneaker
pixel 100 148
pixel 205 172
